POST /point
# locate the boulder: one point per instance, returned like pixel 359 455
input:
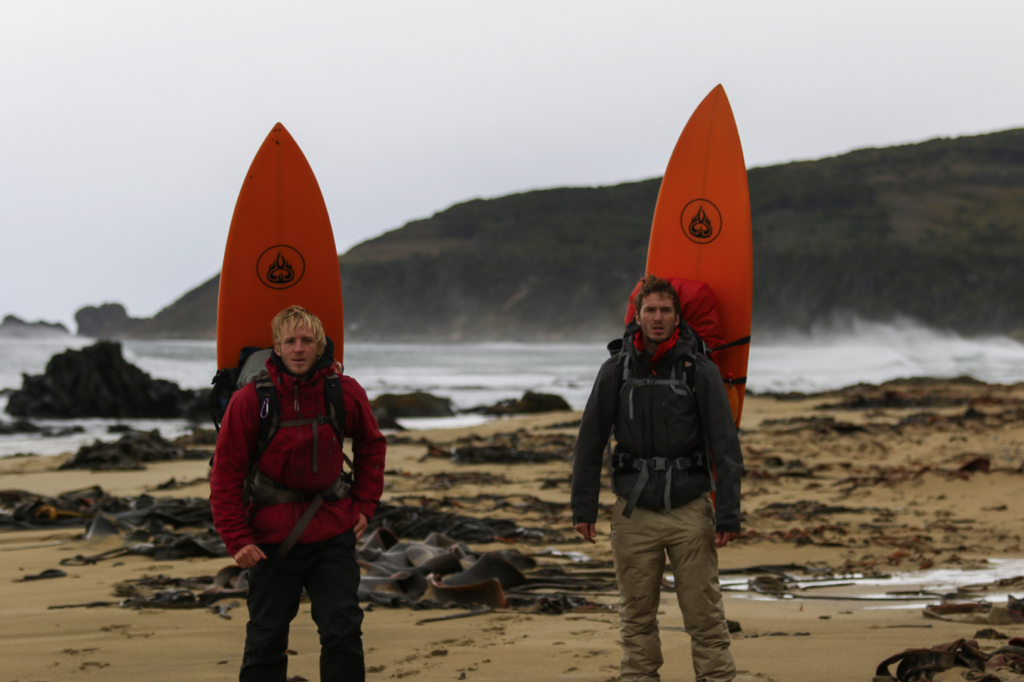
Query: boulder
pixel 197 410
pixel 107 321
pixel 530 403
pixel 15 327
pixel 199 436
pixel 97 381
pixel 133 448
pixel 391 406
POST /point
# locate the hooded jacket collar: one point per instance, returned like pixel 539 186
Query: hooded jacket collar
pixel 663 348
pixel 682 342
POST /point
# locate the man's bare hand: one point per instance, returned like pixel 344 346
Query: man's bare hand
pixel 360 526
pixel 249 556
pixel 338 368
pixel 588 531
pixel 723 539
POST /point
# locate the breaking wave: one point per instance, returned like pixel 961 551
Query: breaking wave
pixel 850 351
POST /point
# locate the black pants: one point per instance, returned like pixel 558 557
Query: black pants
pixel 329 572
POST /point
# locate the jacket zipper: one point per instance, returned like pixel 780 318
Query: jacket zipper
pixel 295 460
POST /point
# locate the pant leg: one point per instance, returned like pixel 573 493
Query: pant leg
pixel 690 535
pixel 333 583
pixel 275 585
pixel 639 567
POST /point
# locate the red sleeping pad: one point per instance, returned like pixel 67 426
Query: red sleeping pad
pixel 700 309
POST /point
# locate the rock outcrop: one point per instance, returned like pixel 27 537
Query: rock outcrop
pixel 97 381
pixel 15 327
pixel 193 316
pixel 108 321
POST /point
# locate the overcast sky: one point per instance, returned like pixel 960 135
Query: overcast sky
pixel 130 125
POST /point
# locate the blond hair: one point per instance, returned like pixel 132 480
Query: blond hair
pixel 294 317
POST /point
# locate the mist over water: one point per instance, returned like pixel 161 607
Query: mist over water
pixel 852 351
pixel 831 356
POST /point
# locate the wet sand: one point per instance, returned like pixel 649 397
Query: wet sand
pixel 876 487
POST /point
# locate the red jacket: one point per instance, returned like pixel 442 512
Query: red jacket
pixel 289 460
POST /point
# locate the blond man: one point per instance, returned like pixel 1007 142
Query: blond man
pixel 284 504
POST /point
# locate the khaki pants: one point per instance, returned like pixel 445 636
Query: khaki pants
pixel 639 544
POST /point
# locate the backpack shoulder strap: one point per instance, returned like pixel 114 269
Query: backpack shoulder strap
pixel 268 424
pixel 334 405
pixel 690 373
pixel 269 411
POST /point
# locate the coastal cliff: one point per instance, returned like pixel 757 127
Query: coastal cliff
pixel 933 231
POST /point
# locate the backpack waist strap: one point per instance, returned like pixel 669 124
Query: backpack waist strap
pixel 695 461
pixel 265 492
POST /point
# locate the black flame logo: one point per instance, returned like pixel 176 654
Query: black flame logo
pixel 700 225
pixel 280 271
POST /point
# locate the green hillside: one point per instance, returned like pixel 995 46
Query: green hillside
pixel 934 231
pixel 549 264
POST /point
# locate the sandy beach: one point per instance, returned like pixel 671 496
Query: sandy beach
pixel 899 479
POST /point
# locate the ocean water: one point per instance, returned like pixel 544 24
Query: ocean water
pixel 829 357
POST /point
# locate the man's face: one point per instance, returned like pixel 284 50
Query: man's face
pixel 297 350
pixel 657 317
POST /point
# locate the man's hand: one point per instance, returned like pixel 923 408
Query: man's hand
pixel 360 526
pixel 337 367
pixel 588 531
pixel 723 539
pixel 249 556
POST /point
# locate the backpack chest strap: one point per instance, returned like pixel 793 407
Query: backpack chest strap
pixel 679 386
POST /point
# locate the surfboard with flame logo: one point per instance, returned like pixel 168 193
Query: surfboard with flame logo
pixel 280 252
pixel 701 228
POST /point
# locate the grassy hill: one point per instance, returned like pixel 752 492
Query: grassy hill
pixel 932 230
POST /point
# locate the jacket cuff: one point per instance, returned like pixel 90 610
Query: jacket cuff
pixel 367 509
pixel 236 546
pixel 728 528
pixel 580 519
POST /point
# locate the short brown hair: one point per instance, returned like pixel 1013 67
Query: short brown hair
pixel 655 285
pixel 297 316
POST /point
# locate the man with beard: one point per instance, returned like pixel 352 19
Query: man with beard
pixel 676 444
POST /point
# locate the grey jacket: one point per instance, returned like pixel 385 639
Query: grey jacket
pixel 655 420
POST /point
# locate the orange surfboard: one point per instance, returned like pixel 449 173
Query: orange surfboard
pixel 280 252
pixel 701 228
